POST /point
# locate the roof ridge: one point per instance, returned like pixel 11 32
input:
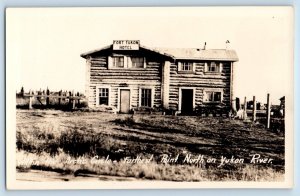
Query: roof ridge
pixel 185 53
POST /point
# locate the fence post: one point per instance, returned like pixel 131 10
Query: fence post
pixel 238 103
pixel 245 109
pixel 47 97
pixel 73 100
pixel 30 100
pixel 254 110
pixel 268 111
pixel 59 98
pixel 78 101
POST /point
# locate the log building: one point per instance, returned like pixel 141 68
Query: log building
pixel 129 76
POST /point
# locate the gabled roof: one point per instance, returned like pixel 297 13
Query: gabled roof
pixel 84 55
pixel 184 53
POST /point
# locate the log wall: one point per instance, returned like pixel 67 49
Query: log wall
pixel 133 78
pixel 200 81
pixel 151 77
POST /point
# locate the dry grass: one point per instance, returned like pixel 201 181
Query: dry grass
pixel 44 137
pixel 65 164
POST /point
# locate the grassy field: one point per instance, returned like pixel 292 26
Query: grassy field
pixel 147 147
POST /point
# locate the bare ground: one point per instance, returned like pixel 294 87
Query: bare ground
pixel 127 135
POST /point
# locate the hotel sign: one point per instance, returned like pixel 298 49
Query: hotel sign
pixel 126 44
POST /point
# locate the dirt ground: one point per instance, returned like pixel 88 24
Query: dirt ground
pixel 146 135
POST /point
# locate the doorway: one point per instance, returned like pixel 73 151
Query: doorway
pixel 124 101
pixel 187 101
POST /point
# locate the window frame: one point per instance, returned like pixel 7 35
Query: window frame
pixel 152 91
pixel 127 62
pixel 134 67
pixel 213 91
pixel 114 63
pixel 218 66
pixel 98 87
pixel 181 64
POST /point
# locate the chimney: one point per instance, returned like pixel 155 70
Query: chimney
pixel 204 47
pixel 227 45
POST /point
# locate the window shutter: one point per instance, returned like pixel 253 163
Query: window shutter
pixel 194 67
pixel 205 67
pixel 126 61
pixel 221 67
pixel 145 64
pixel 179 66
pixel 129 62
pixel 110 62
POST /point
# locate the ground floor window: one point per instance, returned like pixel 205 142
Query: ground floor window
pixel 212 96
pixel 146 99
pixel 103 96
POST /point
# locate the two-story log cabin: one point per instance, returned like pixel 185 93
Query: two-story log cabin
pixel 128 76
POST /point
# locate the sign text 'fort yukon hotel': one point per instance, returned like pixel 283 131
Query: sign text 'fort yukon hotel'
pixel 126 44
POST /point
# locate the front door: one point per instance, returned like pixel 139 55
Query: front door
pixel 187 101
pixel 124 101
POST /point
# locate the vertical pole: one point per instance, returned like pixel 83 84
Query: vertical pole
pixel 59 98
pixel 268 111
pixel 73 100
pixel 70 96
pixel 47 97
pixel 254 110
pixel 30 100
pixel 245 108
pixel 238 103
pixel 78 101
pixel 73 107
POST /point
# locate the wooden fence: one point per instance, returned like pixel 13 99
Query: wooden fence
pixel 71 97
pixel 254 111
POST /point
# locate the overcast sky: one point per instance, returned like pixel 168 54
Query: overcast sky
pixel 44 45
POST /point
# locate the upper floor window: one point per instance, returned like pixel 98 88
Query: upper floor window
pixel 186 66
pixel 213 67
pixel 137 62
pixel 122 61
pixel 118 61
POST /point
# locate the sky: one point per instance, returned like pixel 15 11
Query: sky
pixel 44 45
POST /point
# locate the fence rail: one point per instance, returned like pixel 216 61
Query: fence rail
pixel 60 96
pixel 256 113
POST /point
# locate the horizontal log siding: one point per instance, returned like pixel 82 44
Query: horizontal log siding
pixel 200 81
pixel 124 78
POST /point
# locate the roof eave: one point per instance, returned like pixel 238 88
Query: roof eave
pixel 207 59
pixel 84 55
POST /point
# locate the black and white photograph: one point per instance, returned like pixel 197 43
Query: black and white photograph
pixel 149 97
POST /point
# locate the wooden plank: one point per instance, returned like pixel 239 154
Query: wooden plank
pixel 268 111
pixel 245 109
pixel 254 110
pixel 55 96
